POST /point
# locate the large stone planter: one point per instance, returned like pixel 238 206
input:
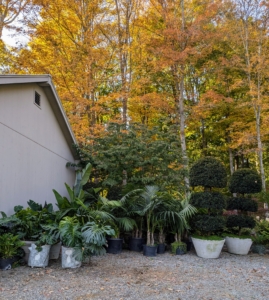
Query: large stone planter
pixel 26 246
pixel 238 246
pixel 54 250
pixel 68 258
pixel 208 248
pixel 39 258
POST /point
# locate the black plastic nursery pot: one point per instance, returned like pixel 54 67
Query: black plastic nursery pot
pixel 6 263
pixel 136 244
pixel 161 248
pixel 114 246
pixel 189 245
pixel 149 250
pixel 180 251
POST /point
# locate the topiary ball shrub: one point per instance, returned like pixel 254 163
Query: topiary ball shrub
pixel 208 172
pixel 240 221
pixel 243 204
pixel 209 200
pixel 245 181
pixel 211 224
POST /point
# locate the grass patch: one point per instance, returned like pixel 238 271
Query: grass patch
pixel 208 238
pixel 238 236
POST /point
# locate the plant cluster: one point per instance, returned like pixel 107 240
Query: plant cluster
pixel 10 245
pixel 124 160
pixel 261 232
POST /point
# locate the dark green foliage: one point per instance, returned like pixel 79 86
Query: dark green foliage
pixel 241 203
pixel 208 172
pixel 245 181
pixel 208 223
pixel 139 155
pixel 208 200
pixel 240 221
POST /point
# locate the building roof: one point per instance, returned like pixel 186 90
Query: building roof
pixel 45 82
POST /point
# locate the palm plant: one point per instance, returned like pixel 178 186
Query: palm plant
pixel 161 208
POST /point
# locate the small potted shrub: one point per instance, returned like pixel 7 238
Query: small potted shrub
pixel 10 247
pixel 79 241
pixel 243 183
pixel 261 237
pixel 208 224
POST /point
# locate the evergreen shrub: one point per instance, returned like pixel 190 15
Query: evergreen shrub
pixel 209 173
pixel 242 182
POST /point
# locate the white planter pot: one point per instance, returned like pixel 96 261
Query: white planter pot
pixel 238 246
pixel 54 250
pixel 39 258
pixel 68 259
pixel 26 249
pixel 207 248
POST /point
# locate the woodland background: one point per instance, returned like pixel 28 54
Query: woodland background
pixel 199 69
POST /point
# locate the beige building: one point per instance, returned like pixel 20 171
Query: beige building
pixel 36 142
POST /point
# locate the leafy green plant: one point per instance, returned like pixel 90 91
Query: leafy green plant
pixel 176 245
pixel 9 245
pixel 86 239
pixel 261 232
pixel 130 159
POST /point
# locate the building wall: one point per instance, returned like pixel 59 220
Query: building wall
pixel 33 149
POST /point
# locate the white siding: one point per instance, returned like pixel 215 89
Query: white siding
pixel 33 149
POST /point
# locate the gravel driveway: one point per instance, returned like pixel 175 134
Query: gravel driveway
pixel 130 275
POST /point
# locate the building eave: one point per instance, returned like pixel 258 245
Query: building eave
pixel 45 82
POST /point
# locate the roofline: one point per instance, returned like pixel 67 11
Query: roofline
pixel 45 82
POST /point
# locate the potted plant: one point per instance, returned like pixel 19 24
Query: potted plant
pixel 79 240
pixel 243 183
pixel 208 173
pixel 261 237
pixel 10 246
pixel 162 208
pixel 181 212
pixel 27 224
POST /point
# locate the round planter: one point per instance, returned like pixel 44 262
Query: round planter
pixel 26 246
pixel 161 248
pixel 39 258
pixel 149 250
pixel 68 258
pixel 114 245
pixel 238 246
pixel 207 248
pixel 136 244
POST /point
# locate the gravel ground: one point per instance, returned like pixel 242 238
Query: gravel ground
pixel 130 275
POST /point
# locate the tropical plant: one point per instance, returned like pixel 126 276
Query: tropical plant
pixel 261 232
pixel 9 245
pixel 86 239
pixel 73 205
pixel 161 209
